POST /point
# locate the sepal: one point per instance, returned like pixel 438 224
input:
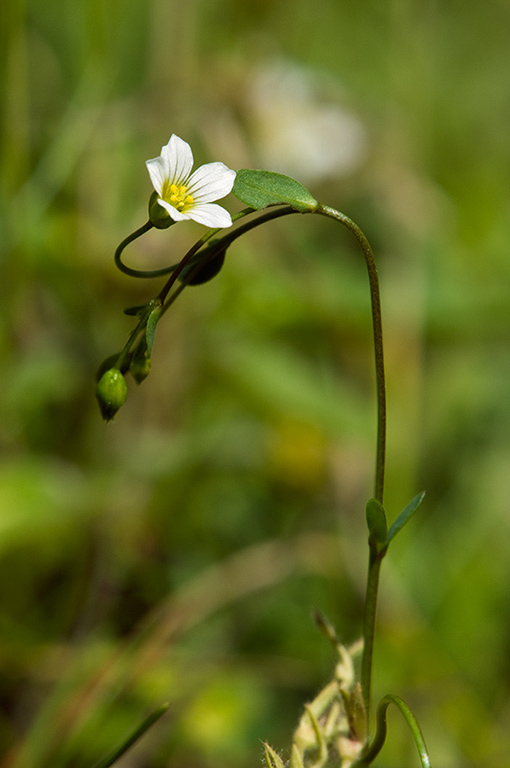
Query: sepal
pixel 158 217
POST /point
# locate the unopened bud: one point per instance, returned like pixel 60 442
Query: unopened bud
pixel 140 366
pixel 208 269
pixel 158 217
pixel 111 393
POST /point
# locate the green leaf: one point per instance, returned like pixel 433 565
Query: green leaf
pixel 271 758
pixel 139 310
pixel 405 516
pixel 259 189
pixel 376 521
pixel 150 329
pixel 117 753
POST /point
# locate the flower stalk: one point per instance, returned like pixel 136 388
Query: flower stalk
pixel 165 300
pixel 181 194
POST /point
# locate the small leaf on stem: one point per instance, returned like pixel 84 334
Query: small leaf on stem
pixel 405 516
pixel 150 328
pixel 376 521
pixel 258 189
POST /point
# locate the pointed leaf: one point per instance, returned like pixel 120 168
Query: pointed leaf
pixel 259 189
pixel 150 329
pixel 271 758
pixel 138 310
pixel 357 713
pixel 117 753
pixel 295 758
pixel 405 516
pixel 376 521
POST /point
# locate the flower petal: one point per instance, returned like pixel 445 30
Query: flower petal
pixel 211 182
pixel 178 157
pixel 174 213
pixel 158 172
pixel 210 215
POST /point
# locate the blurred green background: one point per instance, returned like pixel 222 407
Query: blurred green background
pixel 177 554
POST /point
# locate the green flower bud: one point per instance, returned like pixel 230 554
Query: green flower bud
pixel 210 268
pixel 158 217
pixel 140 366
pixel 111 393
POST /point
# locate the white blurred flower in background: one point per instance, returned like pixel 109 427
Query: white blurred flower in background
pixel 299 128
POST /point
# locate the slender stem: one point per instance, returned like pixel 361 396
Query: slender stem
pixel 375 300
pixel 176 271
pixel 274 213
pixel 378 342
pixel 369 618
pixel 375 557
pixel 129 270
pixel 139 328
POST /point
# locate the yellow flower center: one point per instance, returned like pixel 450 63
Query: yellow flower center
pixel 177 195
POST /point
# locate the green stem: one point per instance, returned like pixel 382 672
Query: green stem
pixel 381 730
pixel 137 272
pixel 220 245
pixel 369 618
pixel 140 327
pixel 378 342
pixel 375 557
pixel 176 270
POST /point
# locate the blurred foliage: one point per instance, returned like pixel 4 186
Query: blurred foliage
pixel 177 553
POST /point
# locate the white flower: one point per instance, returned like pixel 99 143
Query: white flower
pixel 187 195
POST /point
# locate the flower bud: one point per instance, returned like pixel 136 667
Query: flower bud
pixel 210 268
pixel 111 393
pixel 158 217
pixel 140 366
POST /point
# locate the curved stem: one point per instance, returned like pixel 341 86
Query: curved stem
pixel 138 272
pixel 375 557
pixel 276 212
pixel 176 271
pixel 374 295
pixel 380 735
pixel 378 342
